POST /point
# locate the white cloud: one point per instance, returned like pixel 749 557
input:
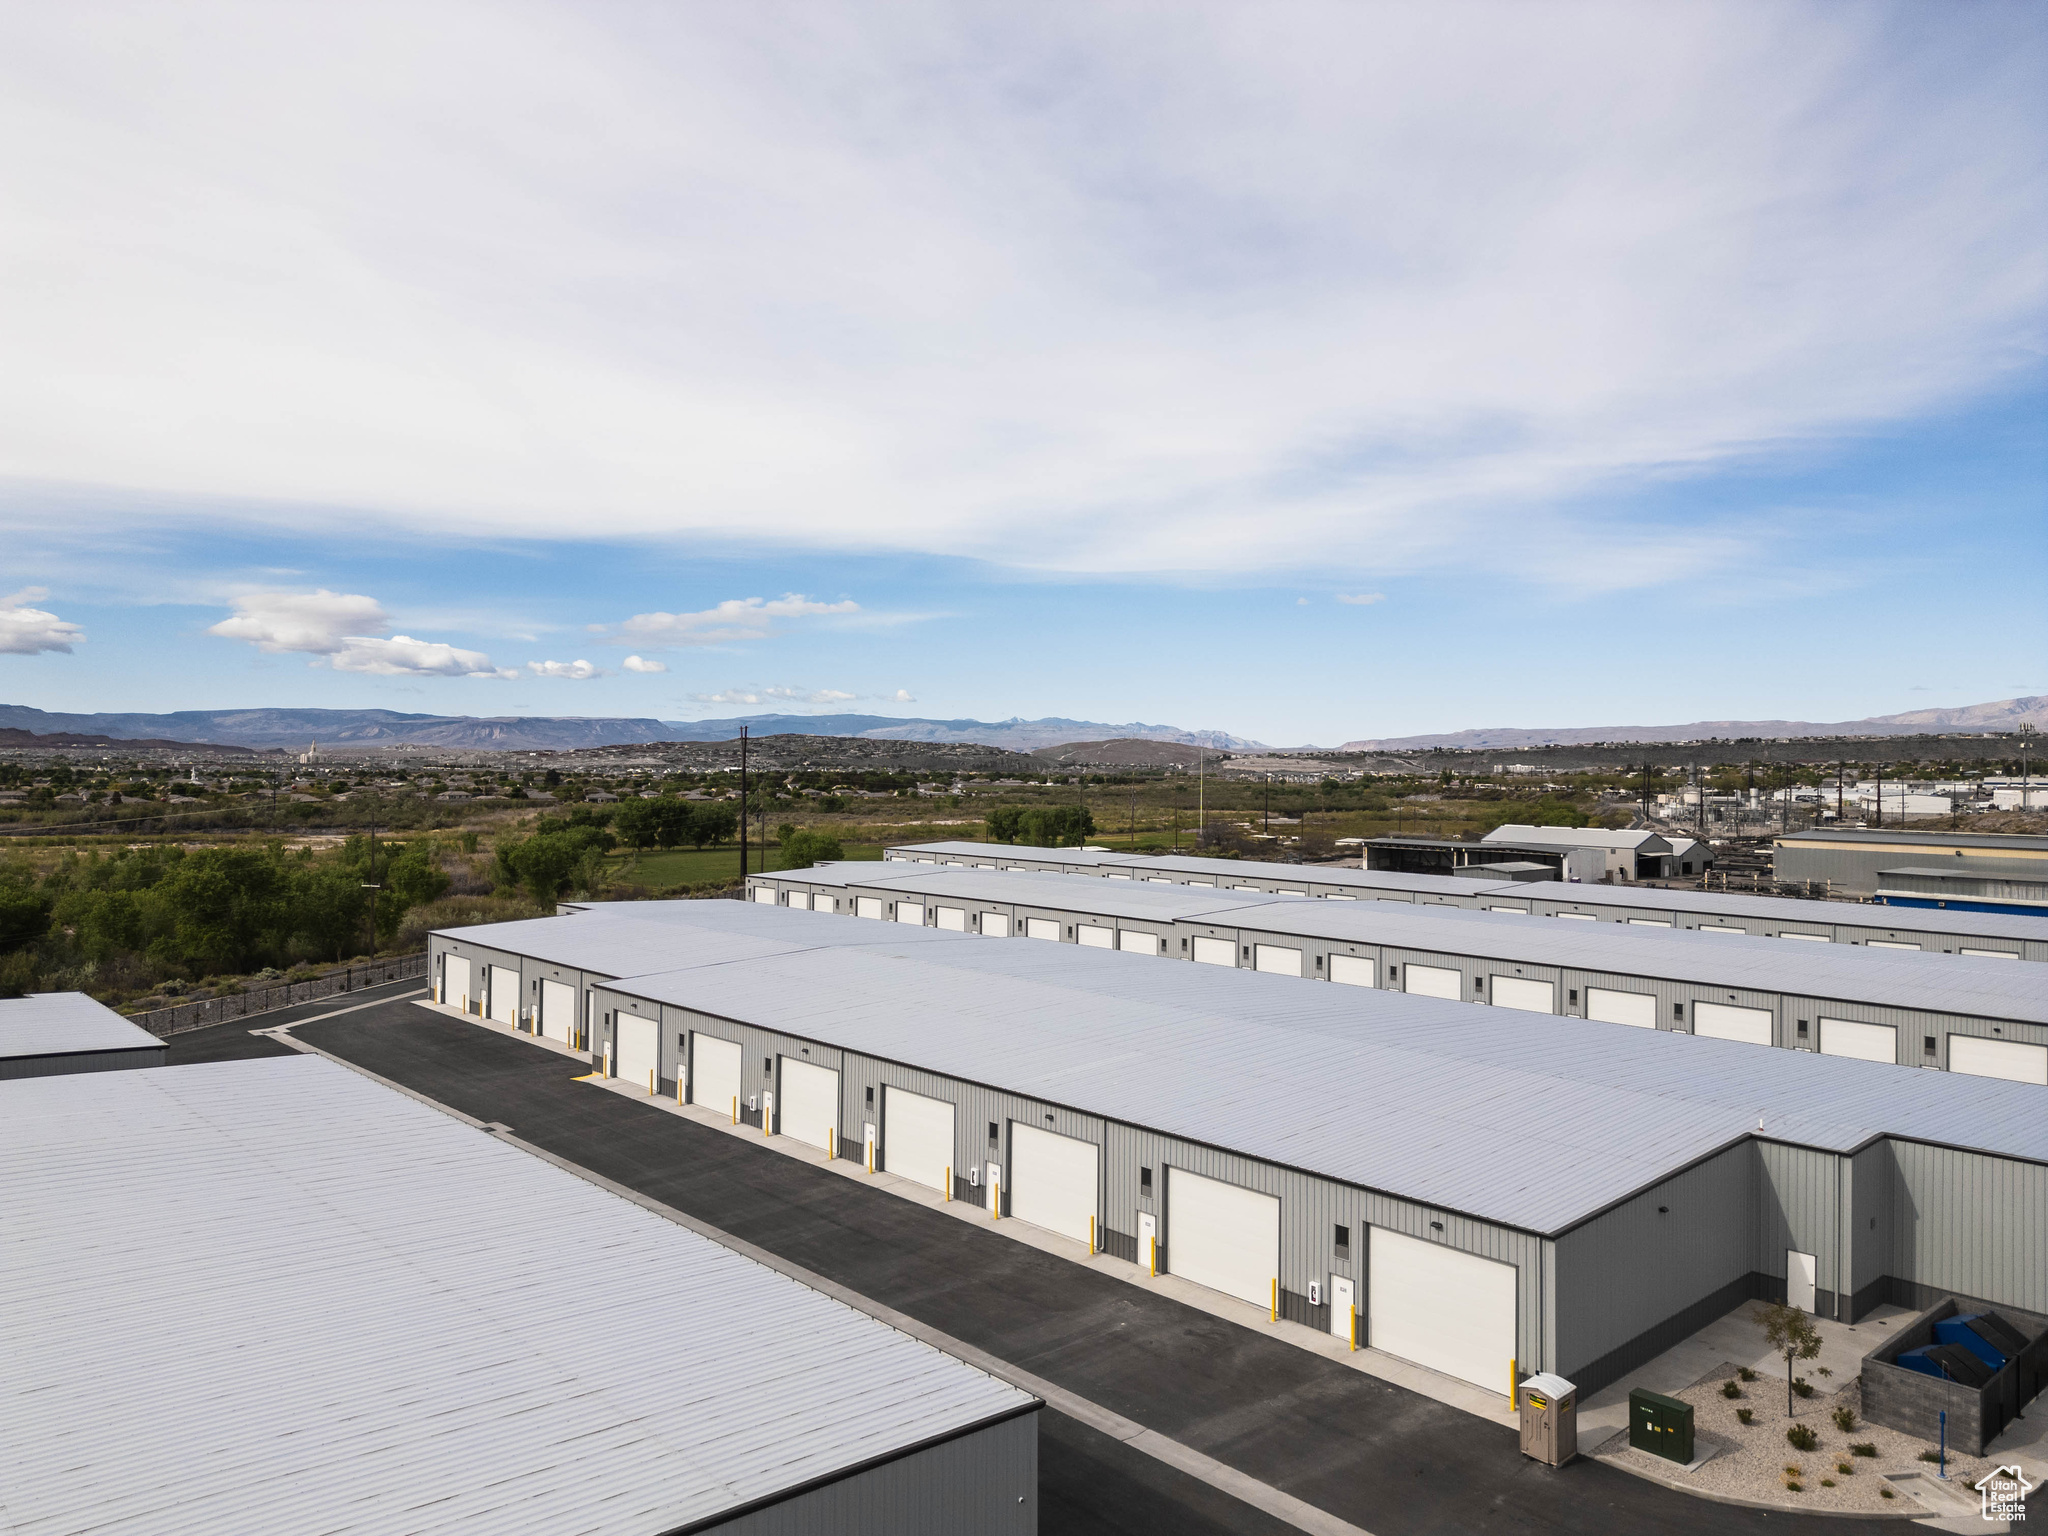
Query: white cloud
pixel 576 670
pixel 1360 599
pixel 1301 602
pixel 776 695
pixel 318 623
pixel 737 618
pixel 901 696
pixel 26 630
pixel 642 664
pixel 403 656
pixel 1055 286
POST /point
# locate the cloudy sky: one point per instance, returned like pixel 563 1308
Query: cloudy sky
pixel 1308 372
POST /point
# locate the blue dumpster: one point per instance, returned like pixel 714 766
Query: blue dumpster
pixel 1963 1333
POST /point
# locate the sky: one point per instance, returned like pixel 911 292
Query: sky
pixel 1310 373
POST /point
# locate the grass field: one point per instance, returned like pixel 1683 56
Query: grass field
pixel 709 866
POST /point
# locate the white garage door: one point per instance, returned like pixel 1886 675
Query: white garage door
pixel 1891 944
pixel 1116 876
pixel 504 995
pixel 808 1105
pixel 1053 1181
pixel 1453 1312
pixel 1717 928
pixel 1223 1236
pixel 1277 958
pixel 1353 970
pixel 1041 928
pixel 995 925
pixel 1098 938
pixel 1806 938
pixel 557 1011
pixel 1989 954
pixel 1649 922
pixel 1583 917
pixel 2008 1059
pixel 1724 1021
pixel 800 901
pixel 1520 992
pixel 1157 880
pixel 1215 952
pixel 867 906
pixel 1609 1007
pixel 917 1137
pixel 1865 1042
pixel 1133 942
pixel 1432 981
pixel 910 912
pixel 637 1053
pixel 1211 884
pixel 1337 896
pixel 952 919
pixel 455 982
pixel 715 1073
pixel 765 895
pixel 1515 911
pixel 1247 888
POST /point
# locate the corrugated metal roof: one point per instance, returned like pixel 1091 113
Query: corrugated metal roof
pixel 1876 837
pixel 59 1023
pixel 1140 864
pixel 1418 1097
pixel 1781 909
pixel 1131 899
pixel 272 1296
pixel 1571 837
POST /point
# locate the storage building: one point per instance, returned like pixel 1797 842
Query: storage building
pixel 343 1310
pixel 50 1033
pixel 1854 860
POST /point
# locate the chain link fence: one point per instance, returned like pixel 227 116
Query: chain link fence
pixel 283 994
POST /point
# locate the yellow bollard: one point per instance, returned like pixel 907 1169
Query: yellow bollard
pixel 1514 1388
pixel 949 1183
pixel 1276 1301
pixel 679 1088
pixel 1354 1330
pixel 831 1142
pixel 995 1199
pixel 735 1109
pixel 1091 1237
pixel 1153 1247
pixel 650 1082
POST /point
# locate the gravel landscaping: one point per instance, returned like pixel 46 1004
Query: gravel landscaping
pixel 1752 1460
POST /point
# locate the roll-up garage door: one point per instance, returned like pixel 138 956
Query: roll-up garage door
pixel 1806 938
pixel 1865 1042
pixel 557 1011
pixel 995 925
pixel 1277 958
pixel 1453 1312
pixel 1114 875
pixel 455 982
pixel 1215 952
pixel 1892 944
pixel 800 901
pixel 867 906
pixel 1041 928
pixel 1724 1021
pixel 637 1052
pixel 1637 1008
pixel 1157 880
pixel 714 1073
pixel 1353 970
pixel 1223 1236
pixel 1211 884
pixel 910 912
pixel 1132 942
pixel 1511 911
pixel 1432 981
pixel 1053 1180
pixel 765 895
pixel 1717 928
pixel 1582 917
pixel 1098 938
pixel 1988 954
pixel 917 1137
pixel 1337 896
pixel 2010 1059
pixel 504 995
pixel 1520 992
pixel 808 1106
pixel 1649 922
pixel 952 919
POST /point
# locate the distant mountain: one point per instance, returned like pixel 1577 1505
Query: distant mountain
pixel 2005 715
pixel 29 739
pixel 543 733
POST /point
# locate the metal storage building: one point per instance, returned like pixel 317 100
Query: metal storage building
pixel 50 1033
pixel 347 1311
pixel 1913 1010
pixel 1851 859
pixel 1575 1198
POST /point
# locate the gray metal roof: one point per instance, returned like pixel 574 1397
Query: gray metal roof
pixel 618 938
pixel 63 1023
pixel 320 1307
pixel 1977 869
pixel 1334 876
pixel 1410 1095
pixel 1877 837
pixel 1130 899
pixel 1783 909
pixel 1514 833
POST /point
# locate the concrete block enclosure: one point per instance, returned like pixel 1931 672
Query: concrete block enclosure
pixel 1869 1001
pixel 1485 1195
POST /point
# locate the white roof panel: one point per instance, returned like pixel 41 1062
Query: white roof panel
pixel 64 1024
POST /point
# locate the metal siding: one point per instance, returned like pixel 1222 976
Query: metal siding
pixel 1971 1224
pixel 1797 1209
pixel 1872 1199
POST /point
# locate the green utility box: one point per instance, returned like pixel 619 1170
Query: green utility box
pixel 1660 1425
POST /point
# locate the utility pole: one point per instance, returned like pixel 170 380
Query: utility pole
pixel 373 886
pixel 1879 770
pixel 1201 795
pixel 1269 805
pixel 1840 769
pixel 2026 734
pixel 743 805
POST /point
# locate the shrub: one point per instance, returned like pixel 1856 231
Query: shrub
pixel 1827 1482
pixel 1844 1469
pixel 1863 1448
pixel 1746 1373
pixel 1802 1386
pixel 1845 1418
pixel 1793 1485
pixel 1886 1493
pixel 1930 1455
pixel 1729 1389
pixel 1745 1415
pixel 1800 1438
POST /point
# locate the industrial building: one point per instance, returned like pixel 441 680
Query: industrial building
pixel 1984 934
pixel 272 1295
pixel 1911 1010
pixel 1860 863
pixel 47 1034
pixel 1440 1182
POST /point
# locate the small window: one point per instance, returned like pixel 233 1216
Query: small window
pixel 1927 1044
pixel 994 1133
pixel 871 1098
pixel 1678 1010
pixel 1343 1242
pixel 768 1064
pixel 1802 1029
pixel 1144 1181
pixel 1573 996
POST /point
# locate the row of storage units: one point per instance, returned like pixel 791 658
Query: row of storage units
pixel 1340 1162
pixel 1914 1010
pixel 1983 935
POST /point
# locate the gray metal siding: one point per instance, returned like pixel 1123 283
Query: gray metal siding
pixel 1798 1209
pixel 1872 1198
pixel 1971 1224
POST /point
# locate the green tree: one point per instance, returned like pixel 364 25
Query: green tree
pixel 1003 823
pixel 223 909
pixel 544 862
pixel 801 849
pixel 1790 1332
pixel 713 824
pixel 638 823
pixel 328 905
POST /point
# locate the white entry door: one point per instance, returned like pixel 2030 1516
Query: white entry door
pixel 1277 958
pixel 1353 970
pixel 1799 1279
pixel 1724 1021
pixel 917 1137
pixel 1520 992
pixel 1610 1007
pixel 1223 1236
pixel 1343 1301
pixel 637 1055
pixel 557 1011
pixel 1215 952
pixel 1053 1180
pixel 455 982
pixel 504 995
pixel 809 1103
pixel 1433 981
pixel 1042 928
pixel 1453 1312
pixel 715 1073
pixel 1865 1042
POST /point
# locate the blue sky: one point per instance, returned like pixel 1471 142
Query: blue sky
pixel 1338 372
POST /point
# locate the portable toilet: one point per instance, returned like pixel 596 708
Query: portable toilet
pixel 1550 1419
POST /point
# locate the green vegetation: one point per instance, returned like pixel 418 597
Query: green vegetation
pixel 1054 826
pixel 1790 1332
